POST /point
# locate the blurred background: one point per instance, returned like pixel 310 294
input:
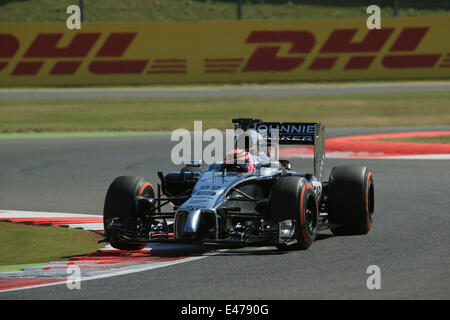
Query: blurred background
pixel 194 10
pixel 177 54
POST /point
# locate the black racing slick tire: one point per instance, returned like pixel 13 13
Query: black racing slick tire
pixel 351 200
pixel 293 198
pixel 120 203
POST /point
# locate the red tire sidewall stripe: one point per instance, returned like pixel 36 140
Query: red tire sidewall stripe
pixel 303 212
pixel 145 185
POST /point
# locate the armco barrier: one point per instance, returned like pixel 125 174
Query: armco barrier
pixel 222 51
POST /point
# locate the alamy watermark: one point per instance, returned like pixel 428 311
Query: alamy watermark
pixel 374 21
pixel 374 280
pixel 74 279
pixel 189 145
pixel 74 20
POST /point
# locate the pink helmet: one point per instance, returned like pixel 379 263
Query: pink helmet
pixel 240 160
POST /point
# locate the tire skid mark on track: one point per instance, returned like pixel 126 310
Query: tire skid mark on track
pixel 106 262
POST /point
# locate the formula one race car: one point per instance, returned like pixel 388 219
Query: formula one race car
pixel 248 199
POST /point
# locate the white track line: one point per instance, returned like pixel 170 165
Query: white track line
pixel 351 155
pixel 153 265
pixel 40 214
pixel 132 268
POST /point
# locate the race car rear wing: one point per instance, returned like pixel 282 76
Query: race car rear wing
pixel 290 133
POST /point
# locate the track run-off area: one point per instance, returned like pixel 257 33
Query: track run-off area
pixel 226 91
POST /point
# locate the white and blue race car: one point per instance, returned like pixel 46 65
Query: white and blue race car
pixel 247 199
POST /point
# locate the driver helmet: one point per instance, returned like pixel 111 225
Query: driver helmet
pixel 240 160
pixel 252 141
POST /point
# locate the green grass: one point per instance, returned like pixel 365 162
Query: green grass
pixel 19 267
pixel 193 10
pixel 437 139
pixel 150 115
pixel 24 244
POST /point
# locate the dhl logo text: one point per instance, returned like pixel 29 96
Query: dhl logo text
pixel 270 51
pixel 340 41
pixel 45 46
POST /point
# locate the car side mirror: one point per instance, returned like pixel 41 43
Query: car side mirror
pixel 286 164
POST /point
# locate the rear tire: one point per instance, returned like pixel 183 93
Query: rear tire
pixel 120 203
pixel 351 200
pixel 293 198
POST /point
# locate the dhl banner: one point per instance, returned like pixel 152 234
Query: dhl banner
pixel 224 51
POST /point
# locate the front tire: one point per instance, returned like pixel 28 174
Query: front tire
pixel 120 203
pixel 293 198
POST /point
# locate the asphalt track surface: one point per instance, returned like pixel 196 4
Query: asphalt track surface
pixel 409 240
pixel 230 91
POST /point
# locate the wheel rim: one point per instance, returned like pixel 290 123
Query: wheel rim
pixel 309 221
